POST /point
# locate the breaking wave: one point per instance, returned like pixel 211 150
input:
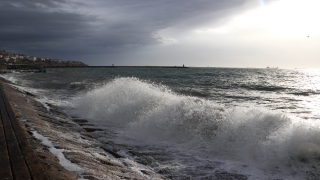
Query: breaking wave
pixel 153 114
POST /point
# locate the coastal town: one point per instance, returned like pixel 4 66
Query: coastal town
pixel 20 60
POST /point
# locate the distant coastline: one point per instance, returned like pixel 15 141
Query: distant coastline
pixel 11 60
pixel 15 60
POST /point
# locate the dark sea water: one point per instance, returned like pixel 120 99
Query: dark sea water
pixel 195 123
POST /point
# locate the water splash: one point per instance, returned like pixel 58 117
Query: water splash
pixel 152 114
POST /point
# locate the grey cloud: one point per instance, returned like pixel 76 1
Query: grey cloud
pixel 31 4
pixel 164 13
pixel 28 28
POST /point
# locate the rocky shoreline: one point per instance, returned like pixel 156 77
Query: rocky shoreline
pixel 64 146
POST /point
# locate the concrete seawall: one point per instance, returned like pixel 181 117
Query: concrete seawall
pixel 50 132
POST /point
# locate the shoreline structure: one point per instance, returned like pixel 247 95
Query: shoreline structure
pixel 63 147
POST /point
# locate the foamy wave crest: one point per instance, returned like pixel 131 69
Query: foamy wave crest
pixel 9 78
pixel 121 101
pixel 152 113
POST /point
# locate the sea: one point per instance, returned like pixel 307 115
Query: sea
pixel 195 123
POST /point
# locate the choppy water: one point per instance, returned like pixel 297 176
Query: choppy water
pixel 197 123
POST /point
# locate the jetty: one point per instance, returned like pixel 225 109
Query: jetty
pixel 17 158
pixel 184 67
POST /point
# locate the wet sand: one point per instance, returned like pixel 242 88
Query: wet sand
pixel 52 132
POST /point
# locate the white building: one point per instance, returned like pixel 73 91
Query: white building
pixel 20 56
pixel 13 57
pixel 32 58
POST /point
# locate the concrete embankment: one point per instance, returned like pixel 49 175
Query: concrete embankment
pixel 64 148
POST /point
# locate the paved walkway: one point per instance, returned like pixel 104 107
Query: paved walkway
pixel 17 159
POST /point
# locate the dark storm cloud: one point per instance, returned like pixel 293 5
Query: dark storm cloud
pixel 28 28
pixel 65 29
pixel 39 26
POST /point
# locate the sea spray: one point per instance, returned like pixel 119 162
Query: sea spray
pixel 254 137
pixel 121 100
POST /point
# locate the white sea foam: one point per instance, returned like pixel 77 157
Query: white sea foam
pixel 265 142
pixel 44 101
pixel 9 77
pixel 58 153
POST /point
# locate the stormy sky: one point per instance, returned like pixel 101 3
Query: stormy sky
pixel 215 33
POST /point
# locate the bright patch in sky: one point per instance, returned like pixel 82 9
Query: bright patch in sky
pixel 285 18
pixel 284 33
pixel 282 19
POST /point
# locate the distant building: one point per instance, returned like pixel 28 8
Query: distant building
pixel 11 60
pixel 6 53
pixel 56 60
pixel 21 57
pixel 13 57
pixel 40 59
pixel 32 58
